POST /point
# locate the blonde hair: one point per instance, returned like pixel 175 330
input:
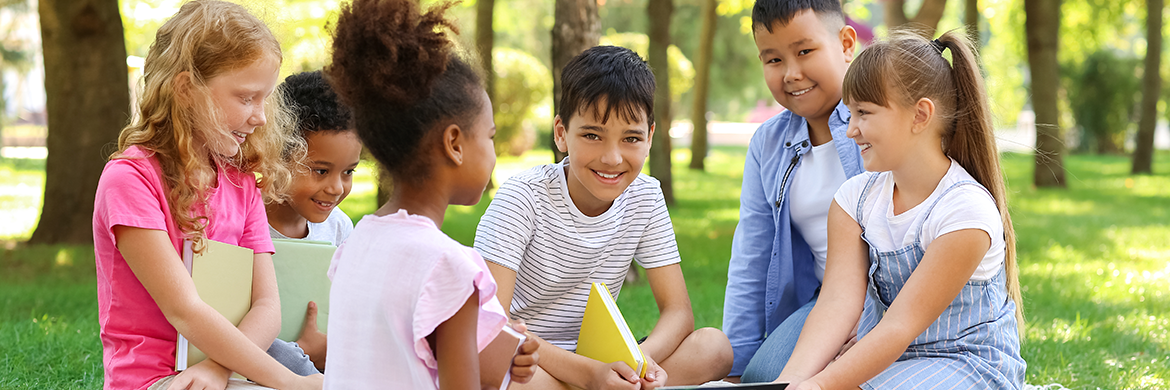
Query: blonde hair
pixel 909 67
pixel 205 39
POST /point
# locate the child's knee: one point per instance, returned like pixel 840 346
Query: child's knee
pixel 717 347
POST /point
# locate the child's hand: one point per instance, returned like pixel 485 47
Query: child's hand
pixel 806 385
pixel 655 375
pixel 526 360
pixel 205 375
pixel 616 375
pixel 311 340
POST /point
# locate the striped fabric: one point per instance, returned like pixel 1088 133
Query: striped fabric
pixel 533 228
pixel 974 344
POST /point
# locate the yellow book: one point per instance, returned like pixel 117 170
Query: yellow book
pixel 223 279
pixel 604 334
pixel 302 268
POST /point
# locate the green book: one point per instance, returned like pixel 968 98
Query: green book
pixel 301 276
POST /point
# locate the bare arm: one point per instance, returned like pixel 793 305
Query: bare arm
pixel 676 320
pixel 839 306
pixel 945 269
pixel 455 347
pixel 152 258
pixel 563 365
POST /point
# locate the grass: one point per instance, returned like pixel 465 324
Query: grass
pixel 1094 260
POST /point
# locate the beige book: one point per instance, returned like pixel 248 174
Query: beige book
pixel 223 279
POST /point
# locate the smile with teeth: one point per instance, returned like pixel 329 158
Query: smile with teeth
pixel 864 147
pixel 323 204
pixel 239 135
pixel 607 175
pixel 801 92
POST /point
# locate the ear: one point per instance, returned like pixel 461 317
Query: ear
pixel 181 84
pixel 453 144
pixel 848 37
pixel 650 136
pixel 923 115
pixel 559 134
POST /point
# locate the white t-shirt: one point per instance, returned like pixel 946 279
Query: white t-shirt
pixel 334 229
pixel 965 207
pixel 395 280
pixel 811 193
pixel 532 227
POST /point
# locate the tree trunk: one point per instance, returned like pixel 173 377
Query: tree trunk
pixel 88 103
pixel 576 27
pixel 971 19
pixel 1042 27
pixel 702 79
pixel 485 41
pixel 927 17
pixel 659 12
pixel 1143 156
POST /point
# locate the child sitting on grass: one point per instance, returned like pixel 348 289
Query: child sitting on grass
pixel 555 228
pixel 319 184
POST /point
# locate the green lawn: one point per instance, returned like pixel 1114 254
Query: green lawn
pixel 1094 264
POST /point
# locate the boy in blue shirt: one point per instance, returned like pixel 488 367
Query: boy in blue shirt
pixel 795 163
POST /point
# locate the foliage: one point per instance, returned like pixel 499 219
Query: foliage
pixel 523 86
pixel 1103 92
pixel 682 72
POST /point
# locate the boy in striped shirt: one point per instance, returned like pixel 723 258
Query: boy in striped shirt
pixel 554 229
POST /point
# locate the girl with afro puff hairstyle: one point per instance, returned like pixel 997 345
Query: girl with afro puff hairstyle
pixel 410 307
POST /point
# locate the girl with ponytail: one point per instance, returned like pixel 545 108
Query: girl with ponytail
pixel 922 259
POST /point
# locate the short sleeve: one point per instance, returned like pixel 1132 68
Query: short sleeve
pixel 507 227
pixel 453 278
pixel 130 193
pixel 965 207
pixel 255 233
pixel 657 246
pixel 849 194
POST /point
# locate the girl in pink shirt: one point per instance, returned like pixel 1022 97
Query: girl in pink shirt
pixel 186 170
pixel 410 308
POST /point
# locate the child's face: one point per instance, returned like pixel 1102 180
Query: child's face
pixel 883 133
pixel 239 95
pixel 805 63
pixel 604 158
pixel 479 155
pixel 316 191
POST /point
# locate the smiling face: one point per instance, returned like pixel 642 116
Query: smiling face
pixel 604 158
pixel 328 176
pixel 883 133
pixel 239 96
pixel 804 63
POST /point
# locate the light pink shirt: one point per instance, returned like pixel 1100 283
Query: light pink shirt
pixel 138 344
pixel 395 280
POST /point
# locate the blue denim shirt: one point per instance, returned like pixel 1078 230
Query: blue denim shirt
pixel 771 273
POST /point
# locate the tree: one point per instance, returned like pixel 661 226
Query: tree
pixel 702 80
pixel 485 41
pixel 928 14
pixel 1143 155
pixel 576 27
pixel 88 103
pixel 1042 27
pixel 971 20
pixel 659 12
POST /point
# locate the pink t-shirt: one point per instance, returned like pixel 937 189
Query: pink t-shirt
pixel 395 280
pixel 138 344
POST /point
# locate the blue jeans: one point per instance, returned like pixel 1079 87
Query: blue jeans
pixel 770 359
pixel 290 355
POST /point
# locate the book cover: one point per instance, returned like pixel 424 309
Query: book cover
pixel 302 269
pixel 496 357
pixel 223 279
pixel 605 336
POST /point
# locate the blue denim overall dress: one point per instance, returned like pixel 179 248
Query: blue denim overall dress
pixel 974 343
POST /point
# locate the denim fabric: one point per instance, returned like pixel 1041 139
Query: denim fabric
pixel 290 355
pixel 770 359
pixel 771 273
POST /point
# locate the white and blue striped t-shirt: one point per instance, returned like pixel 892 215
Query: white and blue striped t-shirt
pixel 532 227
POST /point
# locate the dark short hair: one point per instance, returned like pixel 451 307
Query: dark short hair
pixel 767 13
pixel 315 105
pixel 613 73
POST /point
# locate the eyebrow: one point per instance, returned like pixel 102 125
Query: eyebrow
pixel 325 163
pixel 800 42
pixel 635 131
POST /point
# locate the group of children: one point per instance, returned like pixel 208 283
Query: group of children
pixel 902 277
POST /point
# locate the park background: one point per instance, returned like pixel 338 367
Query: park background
pixel 1077 114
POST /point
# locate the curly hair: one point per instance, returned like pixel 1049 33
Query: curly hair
pixel 397 70
pixel 205 39
pixel 315 104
